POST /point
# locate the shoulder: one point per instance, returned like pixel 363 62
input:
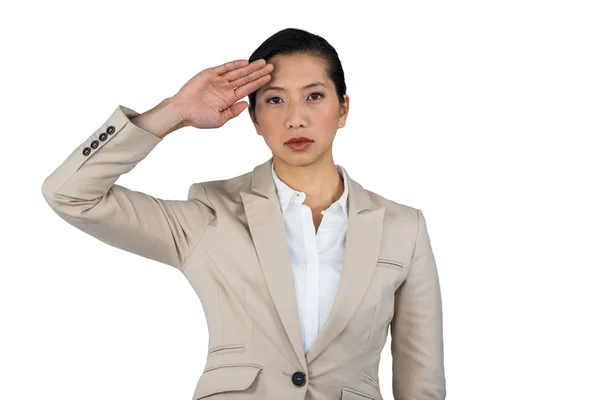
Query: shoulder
pixel 220 190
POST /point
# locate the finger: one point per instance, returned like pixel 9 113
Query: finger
pixel 233 111
pixel 230 66
pixel 253 76
pixel 238 73
pixel 248 88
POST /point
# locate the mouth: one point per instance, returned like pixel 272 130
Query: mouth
pixel 299 140
pixel 299 145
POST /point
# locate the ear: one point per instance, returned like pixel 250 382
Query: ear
pixel 344 109
pixel 254 121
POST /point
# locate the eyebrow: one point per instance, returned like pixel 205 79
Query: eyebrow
pixel 271 87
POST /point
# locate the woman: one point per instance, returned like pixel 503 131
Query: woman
pixel 300 270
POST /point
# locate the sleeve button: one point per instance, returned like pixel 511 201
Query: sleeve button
pixel 87 151
pixel 110 130
pixel 103 136
pixel 94 144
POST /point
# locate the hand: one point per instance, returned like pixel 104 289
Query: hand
pixel 208 100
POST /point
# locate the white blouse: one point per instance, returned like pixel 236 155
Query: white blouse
pixel 316 257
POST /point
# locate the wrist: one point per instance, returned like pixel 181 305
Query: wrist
pixel 161 120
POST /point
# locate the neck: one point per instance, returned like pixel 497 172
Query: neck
pixel 320 181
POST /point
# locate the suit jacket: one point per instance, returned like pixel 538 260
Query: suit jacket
pixel 228 240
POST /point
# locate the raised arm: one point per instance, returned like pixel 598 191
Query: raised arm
pixel 82 191
pixel 416 329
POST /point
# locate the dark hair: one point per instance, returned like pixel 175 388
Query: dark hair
pixel 297 41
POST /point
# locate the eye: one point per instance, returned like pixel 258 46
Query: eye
pixel 271 98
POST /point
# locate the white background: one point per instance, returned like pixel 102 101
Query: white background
pixel 485 115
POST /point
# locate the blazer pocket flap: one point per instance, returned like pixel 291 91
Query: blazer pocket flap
pixel 225 378
pixel 383 262
pixel 352 394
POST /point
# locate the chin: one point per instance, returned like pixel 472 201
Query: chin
pixel 298 159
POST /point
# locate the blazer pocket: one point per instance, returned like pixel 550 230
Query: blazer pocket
pixel 225 378
pixel 383 262
pixel 353 394
pixel 228 348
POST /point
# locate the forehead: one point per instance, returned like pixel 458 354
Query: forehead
pixel 296 72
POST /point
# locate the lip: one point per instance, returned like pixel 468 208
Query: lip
pixel 299 146
pixel 299 140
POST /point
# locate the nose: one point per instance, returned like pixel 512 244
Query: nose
pixel 295 116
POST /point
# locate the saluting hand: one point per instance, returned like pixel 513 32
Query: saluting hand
pixel 208 100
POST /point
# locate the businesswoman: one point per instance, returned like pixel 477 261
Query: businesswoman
pixel 300 270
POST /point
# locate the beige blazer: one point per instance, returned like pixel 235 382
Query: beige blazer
pixel 228 239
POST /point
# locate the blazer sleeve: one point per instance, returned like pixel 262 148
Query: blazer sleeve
pixel 82 191
pixel 416 328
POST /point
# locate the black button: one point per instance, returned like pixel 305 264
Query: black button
pixel 94 144
pixel 110 130
pixel 103 136
pixel 299 379
pixel 87 151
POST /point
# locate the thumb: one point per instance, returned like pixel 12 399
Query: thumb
pixel 234 110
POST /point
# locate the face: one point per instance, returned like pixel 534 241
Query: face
pixel 295 110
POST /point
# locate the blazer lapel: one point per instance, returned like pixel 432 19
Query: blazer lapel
pixel 363 238
pixel 265 221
